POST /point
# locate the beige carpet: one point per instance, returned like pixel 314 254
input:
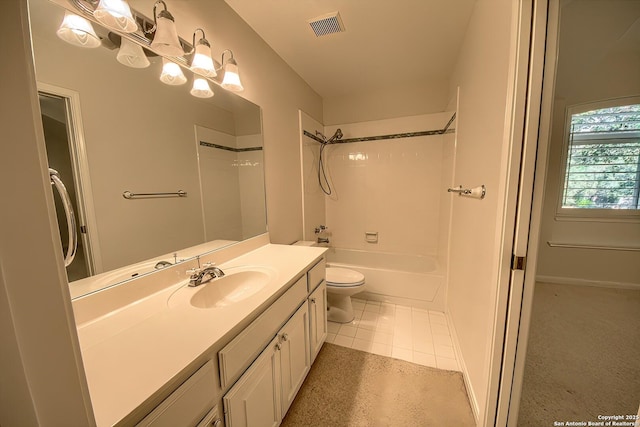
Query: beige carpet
pixel 583 356
pixel 347 387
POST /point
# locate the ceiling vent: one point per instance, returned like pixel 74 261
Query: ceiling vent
pixel 326 24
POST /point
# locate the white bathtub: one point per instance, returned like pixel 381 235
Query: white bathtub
pixel 414 280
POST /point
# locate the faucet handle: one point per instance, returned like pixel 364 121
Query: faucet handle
pixel 208 264
pixel 193 271
pixel 320 229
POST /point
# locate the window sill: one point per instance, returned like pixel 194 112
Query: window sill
pixel 599 216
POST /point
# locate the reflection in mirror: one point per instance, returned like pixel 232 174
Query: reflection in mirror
pixel 125 130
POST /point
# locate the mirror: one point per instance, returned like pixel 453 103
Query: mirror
pixel 125 131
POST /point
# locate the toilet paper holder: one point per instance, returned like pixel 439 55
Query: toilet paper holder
pixel 476 192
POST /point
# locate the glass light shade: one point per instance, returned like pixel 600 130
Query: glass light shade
pixel 231 80
pixel 77 31
pixel 172 73
pixel 116 15
pixel 165 40
pixel 201 88
pixel 132 55
pixel 202 62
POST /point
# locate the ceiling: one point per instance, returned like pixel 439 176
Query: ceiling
pixel 385 42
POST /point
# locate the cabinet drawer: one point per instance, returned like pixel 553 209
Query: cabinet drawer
pixel 236 356
pixel 316 275
pixel 188 404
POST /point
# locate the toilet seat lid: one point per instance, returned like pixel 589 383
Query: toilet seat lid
pixel 338 276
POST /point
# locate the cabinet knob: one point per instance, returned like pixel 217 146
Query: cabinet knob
pixel 278 346
pixel 217 423
pixel 285 337
pixel 313 300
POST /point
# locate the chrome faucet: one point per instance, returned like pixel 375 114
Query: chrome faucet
pixel 200 276
pixel 323 240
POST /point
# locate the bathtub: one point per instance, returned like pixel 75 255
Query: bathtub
pixel 406 279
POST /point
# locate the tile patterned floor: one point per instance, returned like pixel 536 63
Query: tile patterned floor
pixel 411 334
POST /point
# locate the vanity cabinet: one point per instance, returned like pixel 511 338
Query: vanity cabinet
pixel 317 319
pixel 255 399
pixel 294 361
pixel 189 405
pixel 263 394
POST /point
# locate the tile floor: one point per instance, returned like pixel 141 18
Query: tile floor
pixel 411 334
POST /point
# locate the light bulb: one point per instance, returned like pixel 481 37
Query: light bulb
pixel 77 31
pixel 116 15
pixel 165 40
pixel 202 62
pixel 201 88
pixel 132 55
pixel 172 73
pixel 231 80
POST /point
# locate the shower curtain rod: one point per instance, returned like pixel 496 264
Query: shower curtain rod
pixel 390 136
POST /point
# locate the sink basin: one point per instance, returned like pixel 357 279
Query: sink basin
pixel 237 285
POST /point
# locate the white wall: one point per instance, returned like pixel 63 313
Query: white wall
pixel 587 78
pixel 392 187
pixel 400 101
pixel 482 75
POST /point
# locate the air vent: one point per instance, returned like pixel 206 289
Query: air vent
pixel 327 24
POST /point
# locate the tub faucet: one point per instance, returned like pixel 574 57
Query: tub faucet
pixel 323 240
pixel 200 276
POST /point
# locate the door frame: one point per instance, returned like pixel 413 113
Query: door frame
pixel 81 175
pixel 544 39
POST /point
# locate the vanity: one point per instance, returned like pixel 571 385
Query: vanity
pixel 233 351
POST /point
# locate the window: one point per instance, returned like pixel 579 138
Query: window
pixel 603 157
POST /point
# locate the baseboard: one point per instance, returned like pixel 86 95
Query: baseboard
pixel 463 368
pixel 560 280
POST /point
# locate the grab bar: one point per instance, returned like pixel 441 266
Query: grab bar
pixel 130 195
pixel 68 211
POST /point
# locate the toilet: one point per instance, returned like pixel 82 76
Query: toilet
pixel 342 283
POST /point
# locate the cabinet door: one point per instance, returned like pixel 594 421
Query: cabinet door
pixel 255 400
pixel 318 319
pixel 295 362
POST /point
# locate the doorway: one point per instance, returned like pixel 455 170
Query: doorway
pixel 578 342
pixel 62 153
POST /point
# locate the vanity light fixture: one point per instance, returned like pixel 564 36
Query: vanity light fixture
pixel 202 62
pixel 172 73
pixel 78 31
pixel 132 55
pixel 201 88
pixel 165 40
pixel 231 80
pixel 116 15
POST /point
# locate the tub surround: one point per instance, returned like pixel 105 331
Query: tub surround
pixel 136 354
pixel 405 279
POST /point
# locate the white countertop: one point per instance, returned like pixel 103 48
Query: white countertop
pixel 131 353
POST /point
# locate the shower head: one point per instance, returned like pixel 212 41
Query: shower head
pixel 336 136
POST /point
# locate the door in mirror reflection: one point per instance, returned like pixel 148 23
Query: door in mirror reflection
pixel 60 144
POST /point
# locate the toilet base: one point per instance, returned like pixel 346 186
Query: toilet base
pixel 340 308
